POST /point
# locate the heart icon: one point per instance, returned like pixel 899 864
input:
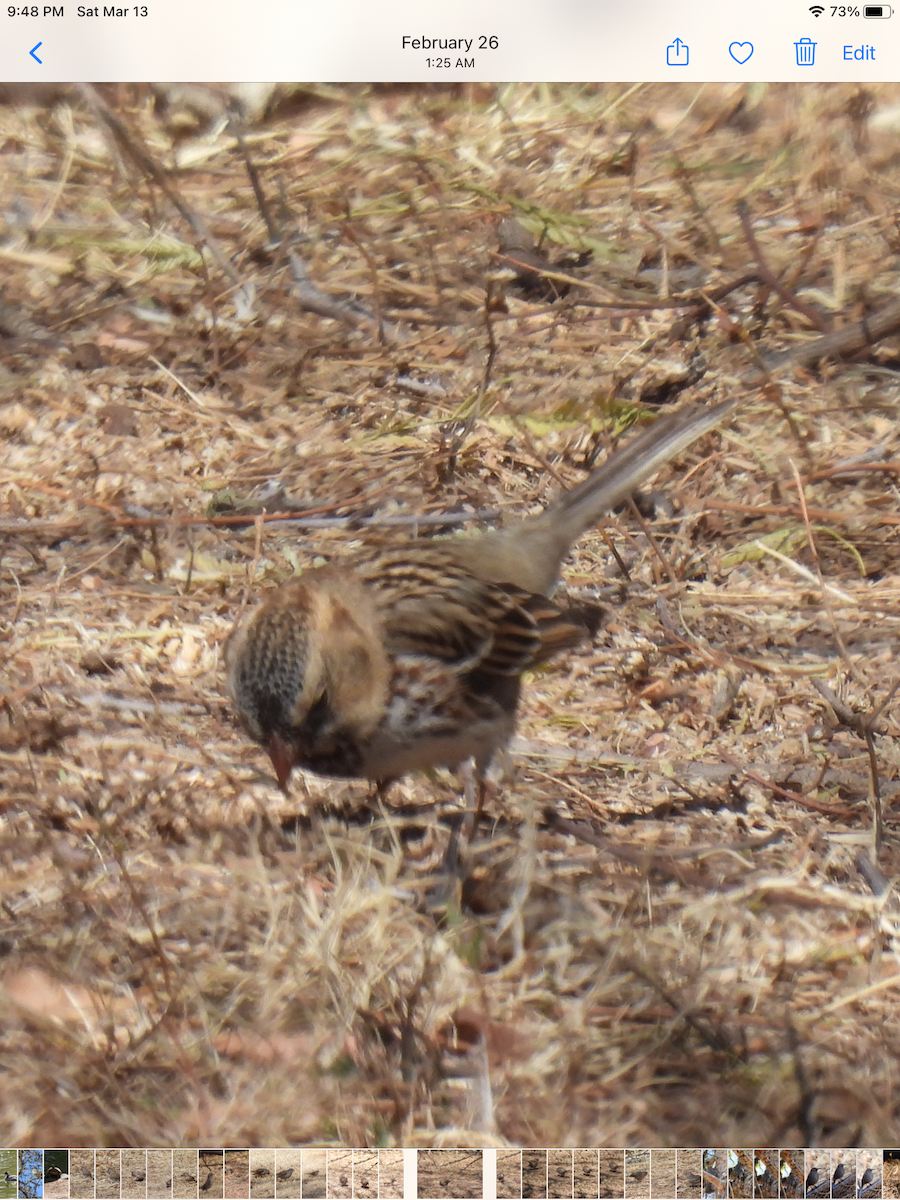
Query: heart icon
pixel 740 51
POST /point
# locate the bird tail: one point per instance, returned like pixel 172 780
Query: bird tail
pixel 622 473
pixel 529 554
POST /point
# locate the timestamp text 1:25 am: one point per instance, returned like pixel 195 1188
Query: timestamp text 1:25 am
pixel 485 42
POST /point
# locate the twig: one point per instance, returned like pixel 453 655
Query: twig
pixel 338 308
pixel 373 272
pixel 288 520
pixel 804 572
pixel 683 176
pixel 806 1105
pixel 864 725
pixel 275 235
pixel 491 338
pixel 842 342
pixel 814 551
pixel 141 156
pixel 830 810
pixel 714 1039
pixel 878 882
pixel 768 276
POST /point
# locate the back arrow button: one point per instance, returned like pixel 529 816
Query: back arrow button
pixel 34 56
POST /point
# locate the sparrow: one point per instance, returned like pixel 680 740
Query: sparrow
pixel 140 1176
pixel 285 1174
pixel 407 657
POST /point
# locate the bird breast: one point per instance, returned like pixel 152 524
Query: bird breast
pixel 436 718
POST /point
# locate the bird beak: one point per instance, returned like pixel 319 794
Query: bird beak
pixel 282 760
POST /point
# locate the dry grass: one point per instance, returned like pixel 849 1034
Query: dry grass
pixel 664 1174
pixel 612 1179
pixel 509 1174
pixel 560 1173
pixel 193 959
pixel 449 1174
pixel 390 1175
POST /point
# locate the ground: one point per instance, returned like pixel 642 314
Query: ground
pixel 664 1174
pixel 509 1174
pixel 892 1176
pixel 390 1174
pixel 134 1162
pixel 689 1166
pixel 637 1174
pixel 675 924
pixel 186 1176
pixel 81 1174
pixel 237 1173
pixel 340 1174
pixel 586 1174
pixel 160 1172
pixel 534 1173
pixel 612 1179
pixel 449 1174
pixel 560 1173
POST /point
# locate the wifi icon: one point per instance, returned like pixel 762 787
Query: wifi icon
pixel 816 10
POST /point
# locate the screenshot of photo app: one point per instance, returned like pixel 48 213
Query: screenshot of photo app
pixel 449 601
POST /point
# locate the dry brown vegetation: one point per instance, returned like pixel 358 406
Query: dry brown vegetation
pixel 509 1174
pixel 449 1174
pixel 159 1172
pixel 81 1174
pixel 586 1175
pixel 891 1179
pixel 365 1174
pixel 134 1175
pixel 664 1174
pixel 560 1173
pixel 237 1173
pixel 612 1179
pixel 637 1174
pixel 665 934
pixel 340 1174
pixel 534 1174
pixel 314 1164
pixel 390 1175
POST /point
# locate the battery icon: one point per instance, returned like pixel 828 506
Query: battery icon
pixel 877 10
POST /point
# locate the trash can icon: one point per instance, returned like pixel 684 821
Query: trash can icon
pixel 806 52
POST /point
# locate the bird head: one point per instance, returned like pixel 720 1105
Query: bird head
pixel 307 670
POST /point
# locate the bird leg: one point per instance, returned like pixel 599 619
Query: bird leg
pixel 447 889
pixel 475 789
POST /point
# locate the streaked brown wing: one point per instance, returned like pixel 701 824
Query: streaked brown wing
pixel 433 606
